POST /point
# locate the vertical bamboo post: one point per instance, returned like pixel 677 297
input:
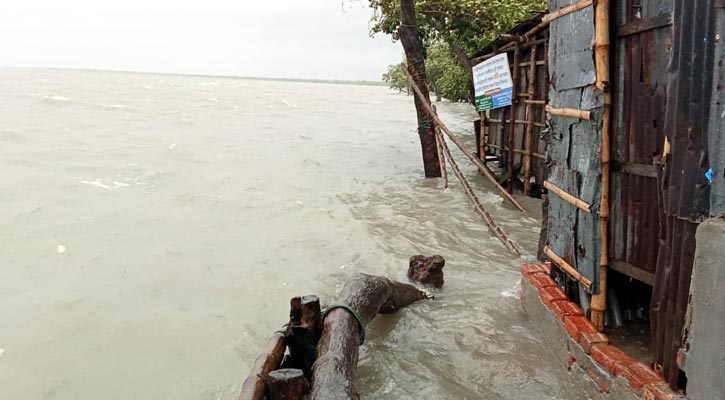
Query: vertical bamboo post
pixel 601 58
pixel 528 137
pixel 484 136
pixel 512 125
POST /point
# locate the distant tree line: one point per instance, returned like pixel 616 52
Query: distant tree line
pixel 451 30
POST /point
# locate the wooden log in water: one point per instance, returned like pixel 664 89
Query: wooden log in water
pixel 254 387
pixel 335 374
pixel 427 270
pixel 304 330
pixel 287 384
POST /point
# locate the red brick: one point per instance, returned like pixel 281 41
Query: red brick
pixel 541 280
pixel 528 269
pixel 611 357
pixel 638 375
pixel 588 340
pixel 550 294
pixel 658 391
pixel 565 309
pixel 576 324
pixel 601 381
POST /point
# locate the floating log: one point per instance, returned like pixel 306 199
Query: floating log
pixel 254 387
pixel 287 384
pixel 427 270
pixel 335 373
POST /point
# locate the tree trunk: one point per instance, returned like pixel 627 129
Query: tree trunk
pixel 335 371
pixel 413 47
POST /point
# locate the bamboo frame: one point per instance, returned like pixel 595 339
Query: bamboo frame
pixel 512 125
pixel 568 197
pixel 569 112
pixel 568 9
pixel 517 151
pixel 528 134
pixel 602 36
pixel 481 167
pixel 568 269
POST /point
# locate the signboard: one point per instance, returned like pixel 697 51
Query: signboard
pixel 492 83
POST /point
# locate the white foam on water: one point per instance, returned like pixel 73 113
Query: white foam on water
pixel 60 249
pixel 209 84
pixel 56 98
pixel 172 146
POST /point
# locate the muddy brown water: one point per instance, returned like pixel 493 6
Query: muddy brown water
pixel 153 229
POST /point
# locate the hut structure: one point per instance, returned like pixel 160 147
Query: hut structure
pixel 515 143
pixel 618 112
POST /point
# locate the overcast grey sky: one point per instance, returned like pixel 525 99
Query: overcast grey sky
pixel 318 39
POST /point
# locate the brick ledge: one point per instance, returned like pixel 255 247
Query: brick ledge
pixel 579 346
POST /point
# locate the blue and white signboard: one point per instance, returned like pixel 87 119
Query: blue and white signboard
pixel 492 83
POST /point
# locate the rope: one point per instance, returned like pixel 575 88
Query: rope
pixel 408 25
pixel 354 313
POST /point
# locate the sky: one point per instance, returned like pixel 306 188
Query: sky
pixel 312 39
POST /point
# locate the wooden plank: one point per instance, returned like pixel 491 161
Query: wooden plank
pixel 643 25
pixel 633 272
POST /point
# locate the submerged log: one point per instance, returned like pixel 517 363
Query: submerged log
pixel 287 384
pixel 254 386
pixel 335 371
pixel 427 270
pixel 304 330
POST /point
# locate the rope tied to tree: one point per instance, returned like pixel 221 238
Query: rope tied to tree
pixel 425 125
pixel 354 313
pixel 408 25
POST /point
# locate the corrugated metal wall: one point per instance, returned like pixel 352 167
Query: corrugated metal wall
pixel 573 151
pixel 685 190
pixel 664 58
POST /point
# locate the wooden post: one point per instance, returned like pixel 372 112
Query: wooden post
pixel 601 58
pixel 528 136
pixel 305 328
pixel 481 167
pixel 484 136
pixel 287 384
pixel 512 125
pixel 413 47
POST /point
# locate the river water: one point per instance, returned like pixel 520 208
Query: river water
pixel 154 227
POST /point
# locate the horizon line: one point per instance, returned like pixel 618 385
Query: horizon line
pixel 200 75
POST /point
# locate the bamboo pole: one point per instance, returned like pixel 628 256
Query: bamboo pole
pixel 528 135
pixel 601 58
pixel 569 198
pixel 568 9
pixel 477 204
pixel 484 135
pixel 569 112
pixel 512 125
pixel 481 167
pixel 441 155
pixel 566 267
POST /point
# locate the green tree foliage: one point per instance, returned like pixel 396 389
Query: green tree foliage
pixel 465 26
pixel 447 77
pixel 396 79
